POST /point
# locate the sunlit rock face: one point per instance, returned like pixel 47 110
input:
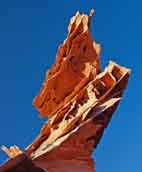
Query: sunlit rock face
pixel 79 99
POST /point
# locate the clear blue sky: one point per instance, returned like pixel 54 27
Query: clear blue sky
pixel 30 32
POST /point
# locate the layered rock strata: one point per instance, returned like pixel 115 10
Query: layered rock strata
pixel 79 100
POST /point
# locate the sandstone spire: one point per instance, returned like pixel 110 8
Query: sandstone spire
pixel 79 99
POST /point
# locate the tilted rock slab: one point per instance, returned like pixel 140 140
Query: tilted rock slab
pixel 79 100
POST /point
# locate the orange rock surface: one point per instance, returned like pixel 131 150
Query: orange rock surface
pixel 79 100
pixel 77 61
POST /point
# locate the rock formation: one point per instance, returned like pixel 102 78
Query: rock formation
pixel 79 100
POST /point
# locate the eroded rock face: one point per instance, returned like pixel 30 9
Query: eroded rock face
pixel 77 61
pixel 79 100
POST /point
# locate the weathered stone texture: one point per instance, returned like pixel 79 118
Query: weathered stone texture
pixel 79 100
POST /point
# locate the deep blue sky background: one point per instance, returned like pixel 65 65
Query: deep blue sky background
pixel 30 32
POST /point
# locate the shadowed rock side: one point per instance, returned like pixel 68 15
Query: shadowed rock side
pixel 79 100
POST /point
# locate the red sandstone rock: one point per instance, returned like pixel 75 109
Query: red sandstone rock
pixel 79 100
pixel 77 61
